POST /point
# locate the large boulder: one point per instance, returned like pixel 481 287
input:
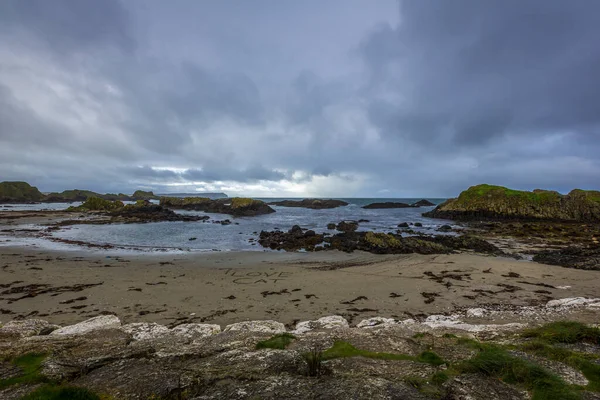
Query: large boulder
pixel 497 202
pixel 423 203
pixel 315 204
pixel 27 327
pixel 330 322
pixel 347 226
pixel 93 324
pixel 192 331
pixel 267 326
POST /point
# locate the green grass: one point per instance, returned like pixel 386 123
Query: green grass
pixel 341 349
pixel 280 341
pixel 495 362
pixel 49 392
pixel 30 365
pixel 580 361
pixel 564 332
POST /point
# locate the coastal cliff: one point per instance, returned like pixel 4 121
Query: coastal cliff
pixel 497 202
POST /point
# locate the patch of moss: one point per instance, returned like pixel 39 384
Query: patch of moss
pixel 50 392
pixel 564 332
pixel 280 341
pixel 98 204
pixel 341 349
pixel 496 362
pixel 382 240
pixel 239 202
pixel 30 365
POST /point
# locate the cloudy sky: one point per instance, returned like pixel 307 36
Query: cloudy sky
pixel 300 98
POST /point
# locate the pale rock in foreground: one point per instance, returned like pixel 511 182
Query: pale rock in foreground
pixel 196 330
pixel 266 326
pixel 145 330
pixel 572 302
pixel 92 324
pixel 376 321
pixel 330 322
pixel 27 327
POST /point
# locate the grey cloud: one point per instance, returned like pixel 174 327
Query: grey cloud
pixel 481 69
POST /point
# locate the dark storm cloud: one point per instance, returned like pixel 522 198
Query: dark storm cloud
pixel 332 98
pixel 477 69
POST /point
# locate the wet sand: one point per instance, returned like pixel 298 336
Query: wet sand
pixel 221 287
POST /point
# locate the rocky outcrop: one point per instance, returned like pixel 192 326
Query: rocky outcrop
pixel 387 204
pixel 496 202
pixel 236 206
pixel 423 203
pixel 19 192
pixel 267 326
pixel 141 212
pixel 571 257
pixel 26 328
pixel 315 204
pixel 294 239
pixel 143 195
pixel 326 323
pixel 373 242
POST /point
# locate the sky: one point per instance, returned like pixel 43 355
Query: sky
pixel 315 98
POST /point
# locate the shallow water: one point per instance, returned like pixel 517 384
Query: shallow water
pixel 211 236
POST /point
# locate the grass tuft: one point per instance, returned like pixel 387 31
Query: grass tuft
pixel 496 362
pixel 30 365
pixel 280 342
pixel 565 332
pixel 341 349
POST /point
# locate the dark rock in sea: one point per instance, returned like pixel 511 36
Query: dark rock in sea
pixel 331 226
pixel 225 222
pixel 296 230
pixel 418 224
pixel 192 238
pixel 141 212
pixel 347 226
pixel 360 221
pixel 315 204
pixel 237 206
pixel 403 225
pixel 292 240
pixel 445 228
pixel 489 202
pixel 423 203
pixel 571 257
pixel 386 205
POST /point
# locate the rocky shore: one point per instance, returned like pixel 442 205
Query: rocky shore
pixel 327 358
pixel 420 203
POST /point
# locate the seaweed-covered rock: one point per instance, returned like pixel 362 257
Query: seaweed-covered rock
pixel 19 192
pixel 497 202
pixel 237 206
pixel 571 257
pixel 387 204
pixel 143 195
pixel 347 226
pixel 293 240
pixel 315 204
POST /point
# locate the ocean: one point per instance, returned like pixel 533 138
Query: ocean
pixel 235 237
pixel 211 236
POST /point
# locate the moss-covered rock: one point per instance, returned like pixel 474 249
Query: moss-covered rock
pixel 98 204
pixel 497 202
pixel 19 192
pixel 143 195
pixel 237 206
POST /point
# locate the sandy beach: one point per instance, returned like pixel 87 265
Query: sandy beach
pixel 227 287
